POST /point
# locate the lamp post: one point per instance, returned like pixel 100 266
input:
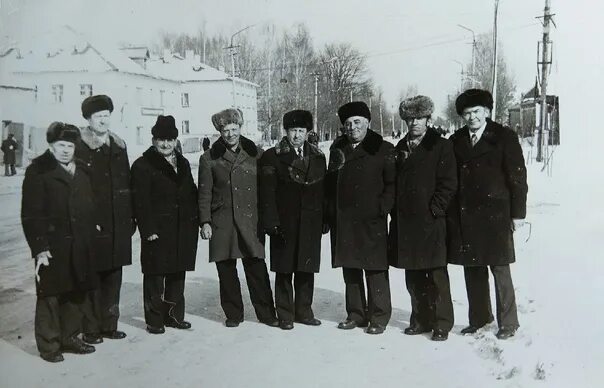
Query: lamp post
pixel 473 50
pixel 232 48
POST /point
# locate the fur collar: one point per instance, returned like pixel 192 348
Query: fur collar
pixel 160 163
pixel 430 138
pixel 93 142
pixel 371 143
pixel 219 147
pixel 284 147
pixel 47 162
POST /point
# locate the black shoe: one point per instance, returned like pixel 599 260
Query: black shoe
pixel 415 330
pixel 309 321
pixel 505 333
pixel 156 330
pixel 113 334
pixel 232 322
pixel 439 335
pixel 77 346
pixel 272 322
pixel 351 324
pixel 92 338
pixel 52 357
pixel 286 325
pixel 375 329
pixel 178 325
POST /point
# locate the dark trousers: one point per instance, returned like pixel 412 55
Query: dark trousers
pixel 431 304
pixel 258 284
pixel 13 171
pixel 479 299
pixel 103 305
pixel 290 308
pixel 57 319
pixel 164 298
pixel 374 307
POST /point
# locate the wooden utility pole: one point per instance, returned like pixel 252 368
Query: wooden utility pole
pixel 545 62
pixel 316 125
pixel 494 87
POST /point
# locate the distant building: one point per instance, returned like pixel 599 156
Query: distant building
pixel 525 117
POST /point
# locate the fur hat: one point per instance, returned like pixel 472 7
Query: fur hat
pixel 355 108
pixel 416 107
pixel 227 116
pixel 95 104
pixel 298 119
pixel 164 128
pixel 473 97
pixel 58 131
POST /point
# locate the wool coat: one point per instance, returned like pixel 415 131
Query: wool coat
pixel 110 176
pixel 228 200
pixel 491 192
pixel 57 214
pixel 426 181
pixel 291 197
pixel 165 204
pixel 360 194
pixel 9 148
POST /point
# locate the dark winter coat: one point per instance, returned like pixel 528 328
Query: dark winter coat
pixel 57 213
pixel 9 156
pixel 291 197
pixel 491 192
pixel 110 174
pixel 228 200
pixel 360 194
pixel 165 204
pixel 426 181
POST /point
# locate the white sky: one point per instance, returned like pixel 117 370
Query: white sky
pixel 395 30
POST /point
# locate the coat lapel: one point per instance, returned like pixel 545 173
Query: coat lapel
pixel 160 163
pixel 487 142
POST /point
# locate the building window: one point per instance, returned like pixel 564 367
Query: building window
pixel 185 127
pixel 161 97
pixel 57 93
pixel 85 90
pixel 139 135
pixel 184 99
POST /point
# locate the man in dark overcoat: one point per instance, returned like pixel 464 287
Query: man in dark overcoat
pixel 291 209
pixel 426 181
pixel 360 192
pixel 57 213
pixel 165 206
pixel 489 205
pixel 106 156
pixel 228 214
pixel 9 158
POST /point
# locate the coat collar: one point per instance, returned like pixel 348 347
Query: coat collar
pixel 48 164
pixel 406 158
pixel 160 163
pixel 219 148
pixel 93 142
pixel 488 141
pixel 370 144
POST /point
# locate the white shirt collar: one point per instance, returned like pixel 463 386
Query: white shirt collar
pixel 479 131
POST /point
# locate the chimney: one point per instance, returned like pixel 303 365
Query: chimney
pixel 189 55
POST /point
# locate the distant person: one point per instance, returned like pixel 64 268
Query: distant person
pixel 57 213
pixel 9 148
pixel 106 155
pixel 313 138
pixel 489 205
pixel 165 205
pixel 228 213
pixel 205 144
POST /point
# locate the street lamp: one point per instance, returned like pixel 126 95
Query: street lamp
pixel 473 49
pixel 232 49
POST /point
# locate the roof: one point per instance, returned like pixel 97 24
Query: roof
pixel 136 52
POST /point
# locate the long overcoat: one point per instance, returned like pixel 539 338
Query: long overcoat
pixel 228 200
pixel 360 194
pixel 426 181
pixel 9 148
pixel 165 204
pixel 291 197
pixel 57 214
pixel 113 200
pixel 491 192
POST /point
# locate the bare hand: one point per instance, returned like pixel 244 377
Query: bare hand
pixel 517 224
pixel 153 237
pixel 206 232
pixel 42 259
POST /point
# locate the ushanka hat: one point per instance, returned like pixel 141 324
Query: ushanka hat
pixel 416 107
pixel 165 128
pixel 298 119
pixel 354 108
pixel 473 97
pixel 226 117
pixel 95 104
pixel 58 131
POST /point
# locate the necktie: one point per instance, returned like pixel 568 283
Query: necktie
pixel 300 153
pixel 474 139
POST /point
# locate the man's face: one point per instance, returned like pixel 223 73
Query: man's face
pixel 100 121
pixel 164 146
pixel 63 151
pixel 475 116
pixel 230 134
pixel 297 136
pixel 417 126
pixel 355 128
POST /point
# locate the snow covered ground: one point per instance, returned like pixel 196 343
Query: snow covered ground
pixel 559 294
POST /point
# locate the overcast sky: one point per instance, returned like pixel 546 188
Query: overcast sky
pixel 408 42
